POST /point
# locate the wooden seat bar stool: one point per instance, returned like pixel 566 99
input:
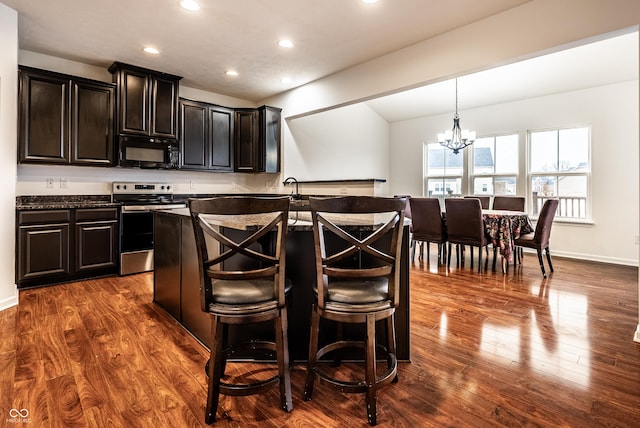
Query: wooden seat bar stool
pixel 360 292
pixel 241 255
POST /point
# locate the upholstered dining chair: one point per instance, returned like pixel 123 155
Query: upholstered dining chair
pixel 427 226
pixel 485 201
pixel 358 272
pixel 466 227
pixel 241 254
pixel 508 203
pixel 539 239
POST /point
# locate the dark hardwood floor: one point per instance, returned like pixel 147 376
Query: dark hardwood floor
pixel 487 350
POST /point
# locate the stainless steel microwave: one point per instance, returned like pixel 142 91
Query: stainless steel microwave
pixel 144 152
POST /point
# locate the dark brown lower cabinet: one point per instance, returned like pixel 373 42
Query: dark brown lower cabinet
pixel 96 239
pixel 43 245
pixel 55 246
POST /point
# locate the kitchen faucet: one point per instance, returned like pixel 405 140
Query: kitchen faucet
pixel 289 180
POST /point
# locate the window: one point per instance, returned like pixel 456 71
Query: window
pixel 444 172
pixel 495 165
pixel 559 166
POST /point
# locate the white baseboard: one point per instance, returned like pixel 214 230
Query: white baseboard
pixel 10 301
pixel 637 336
pixel 589 257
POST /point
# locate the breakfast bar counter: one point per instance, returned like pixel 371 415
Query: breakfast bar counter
pixel 177 285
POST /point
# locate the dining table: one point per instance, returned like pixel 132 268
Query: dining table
pixel 503 227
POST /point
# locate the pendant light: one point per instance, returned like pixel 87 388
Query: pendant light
pixel 456 139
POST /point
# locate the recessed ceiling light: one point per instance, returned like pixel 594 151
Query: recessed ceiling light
pixel 191 5
pixel 369 1
pixel 285 43
pixel 152 51
pixel 286 80
pixel 231 73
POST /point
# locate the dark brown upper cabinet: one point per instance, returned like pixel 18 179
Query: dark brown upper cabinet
pixel 206 136
pixel 147 101
pixel 64 119
pixel 257 139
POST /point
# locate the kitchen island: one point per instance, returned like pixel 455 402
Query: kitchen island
pixel 177 285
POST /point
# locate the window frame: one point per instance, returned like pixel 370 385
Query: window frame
pixel 558 174
pixel 472 175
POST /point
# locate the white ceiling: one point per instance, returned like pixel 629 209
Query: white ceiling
pixel 329 36
pixel 603 62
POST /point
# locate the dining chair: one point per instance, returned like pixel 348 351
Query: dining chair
pixel 242 260
pixel 427 226
pixel 508 203
pixel 485 201
pixel 465 226
pixel 357 282
pixel 539 239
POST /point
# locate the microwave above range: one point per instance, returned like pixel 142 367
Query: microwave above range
pixel 144 152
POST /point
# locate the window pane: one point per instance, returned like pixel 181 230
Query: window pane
pixel 573 148
pixel 483 186
pixel 453 163
pixel 544 186
pixel 505 186
pixel 544 151
pixel 442 161
pixel 483 156
pixel 574 186
pixel 506 154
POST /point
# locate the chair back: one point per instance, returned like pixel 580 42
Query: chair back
pixel 545 221
pixel 358 239
pixel 464 221
pixel 426 220
pixel 241 249
pixel 485 201
pixel 509 203
pixel 407 210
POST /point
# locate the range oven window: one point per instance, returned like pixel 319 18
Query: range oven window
pixel 137 231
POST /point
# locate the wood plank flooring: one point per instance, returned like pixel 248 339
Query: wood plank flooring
pixel 487 350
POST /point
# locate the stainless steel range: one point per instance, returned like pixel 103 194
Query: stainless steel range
pixel 139 200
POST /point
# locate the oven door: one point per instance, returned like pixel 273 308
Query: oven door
pixel 136 239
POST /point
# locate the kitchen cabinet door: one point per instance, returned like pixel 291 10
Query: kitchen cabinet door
pixel 164 107
pixel 257 139
pixel 221 127
pixel 96 235
pixel 246 140
pixel 43 246
pixel 194 144
pixel 44 117
pixel 92 123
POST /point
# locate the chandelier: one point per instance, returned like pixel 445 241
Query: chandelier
pixel 455 138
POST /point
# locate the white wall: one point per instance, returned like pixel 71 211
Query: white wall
pixel 354 139
pixel 8 138
pixel 611 111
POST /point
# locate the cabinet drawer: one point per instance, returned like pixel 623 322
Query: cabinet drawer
pixel 96 214
pixel 44 217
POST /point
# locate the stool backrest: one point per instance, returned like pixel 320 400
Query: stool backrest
pixel 357 237
pixel 240 239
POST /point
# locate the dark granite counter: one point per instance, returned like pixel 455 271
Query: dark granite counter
pixel 61 202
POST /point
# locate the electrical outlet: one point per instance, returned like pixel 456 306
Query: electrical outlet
pixel 49 182
pixel 193 184
pixel 637 240
pixel 64 183
pixel 343 191
pixel 233 184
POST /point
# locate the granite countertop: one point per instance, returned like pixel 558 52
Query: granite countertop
pixel 60 202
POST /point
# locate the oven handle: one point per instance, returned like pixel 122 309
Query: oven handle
pixel 149 208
